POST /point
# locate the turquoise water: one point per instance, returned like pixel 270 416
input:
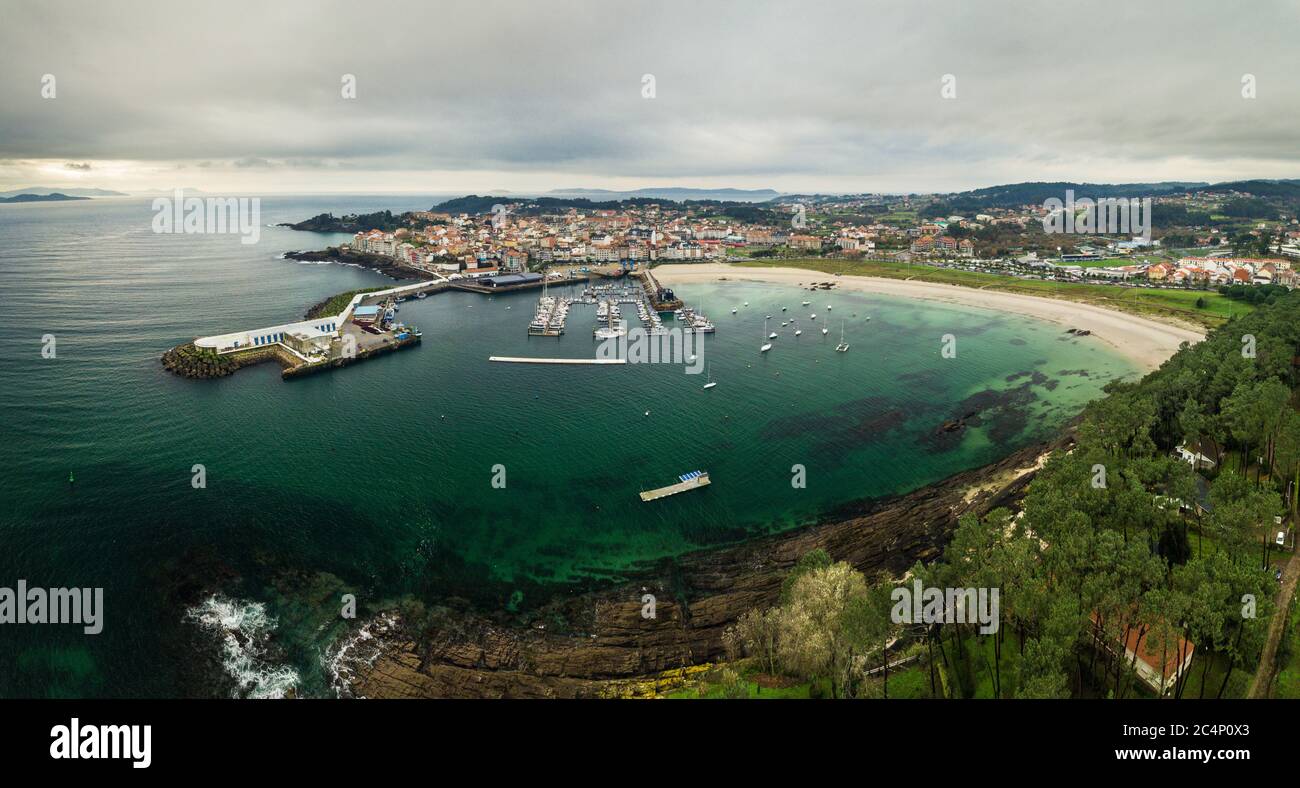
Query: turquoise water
pixel 377 479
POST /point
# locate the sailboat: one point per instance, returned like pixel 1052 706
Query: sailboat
pixel 825 331
pixel 766 345
pixel 797 329
pixel 843 346
pixel 828 307
pixel 710 384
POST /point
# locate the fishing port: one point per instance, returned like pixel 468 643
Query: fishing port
pixel 369 323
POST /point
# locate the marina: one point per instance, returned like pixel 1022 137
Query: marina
pixel 650 301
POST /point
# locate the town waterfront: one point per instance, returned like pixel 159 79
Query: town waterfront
pixel 377 479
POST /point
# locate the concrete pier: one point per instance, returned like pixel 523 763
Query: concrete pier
pixel 526 360
pixel 663 492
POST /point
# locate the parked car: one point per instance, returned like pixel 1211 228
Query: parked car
pixel 1281 537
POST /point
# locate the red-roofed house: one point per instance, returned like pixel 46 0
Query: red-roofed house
pixel 1158 665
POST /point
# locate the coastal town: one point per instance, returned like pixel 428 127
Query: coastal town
pixel 1219 250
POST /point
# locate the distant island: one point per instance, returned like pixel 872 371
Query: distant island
pixel 71 191
pixel 55 197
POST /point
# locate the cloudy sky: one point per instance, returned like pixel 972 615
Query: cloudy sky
pixel 534 95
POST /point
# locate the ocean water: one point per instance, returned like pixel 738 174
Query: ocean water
pixel 377 480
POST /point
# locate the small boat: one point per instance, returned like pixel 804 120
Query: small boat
pixel 710 384
pixel 828 307
pixel 843 346
pixel 421 295
pixel 733 310
pixel 766 345
pixel 805 303
pixel 782 309
pixel 772 335
pixel 825 331
pixel 797 329
pixel 746 303
pixel 647 413
pixel 813 316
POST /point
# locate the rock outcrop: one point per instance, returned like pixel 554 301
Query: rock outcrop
pixel 190 362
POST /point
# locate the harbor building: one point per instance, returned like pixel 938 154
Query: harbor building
pixel 309 330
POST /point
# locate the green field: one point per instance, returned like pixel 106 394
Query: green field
pixel 336 303
pixel 1172 304
pixel 1116 262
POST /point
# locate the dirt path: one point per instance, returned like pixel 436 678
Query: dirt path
pixel 1259 686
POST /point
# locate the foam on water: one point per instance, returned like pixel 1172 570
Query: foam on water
pixel 244 629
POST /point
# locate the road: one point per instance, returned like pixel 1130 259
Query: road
pixel 1259 686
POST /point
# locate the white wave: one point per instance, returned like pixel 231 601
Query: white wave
pixel 244 629
pixel 358 649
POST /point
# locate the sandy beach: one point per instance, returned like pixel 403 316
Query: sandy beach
pixel 1146 342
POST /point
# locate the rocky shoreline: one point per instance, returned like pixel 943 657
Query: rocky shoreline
pixel 598 644
pixel 384 265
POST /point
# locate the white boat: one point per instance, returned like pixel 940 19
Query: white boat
pixel 746 303
pixel 825 331
pixel 733 310
pixel 797 329
pixel 843 346
pixel 766 345
pixel 805 303
pixel 828 307
pixel 782 309
pixel 710 384
pixel 813 316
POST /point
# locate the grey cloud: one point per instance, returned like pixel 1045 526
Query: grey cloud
pixel 743 88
